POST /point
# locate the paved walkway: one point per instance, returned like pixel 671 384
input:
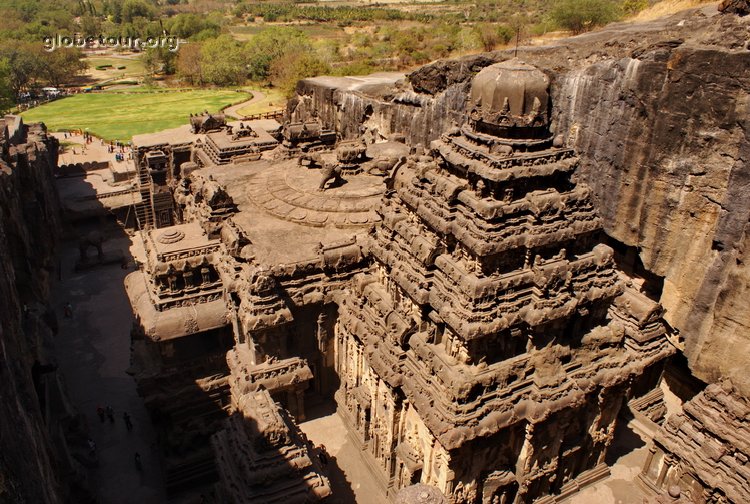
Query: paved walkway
pixel 232 111
pixel 345 465
pixel 93 352
pixel 95 151
pixel 626 458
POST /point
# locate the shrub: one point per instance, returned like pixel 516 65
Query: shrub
pixel 291 67
pixel 631 7
pixel 491 35
pixel 582 15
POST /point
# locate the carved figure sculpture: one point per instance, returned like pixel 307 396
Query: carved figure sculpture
pixel 350 151
pixel 203 123
pixel 310 159
pixel 330 172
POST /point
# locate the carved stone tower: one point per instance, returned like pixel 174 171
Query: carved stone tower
pixel 490 348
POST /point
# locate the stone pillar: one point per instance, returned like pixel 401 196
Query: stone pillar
pixel 668 461
pixel 255 354
pixel 649 459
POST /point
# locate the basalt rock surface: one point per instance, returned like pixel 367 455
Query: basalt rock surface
pixel 658 112
pixel 741 7
pixel 664 136
pixel 29 217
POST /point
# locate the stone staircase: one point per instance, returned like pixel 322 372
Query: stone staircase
pixel 144 212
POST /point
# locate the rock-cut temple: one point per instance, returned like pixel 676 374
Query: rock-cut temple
pixel 457 301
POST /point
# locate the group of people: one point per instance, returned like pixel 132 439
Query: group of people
pixel 119 149
pixel 68 134
pixel 115 146
pixel 87 139
pixel 108 412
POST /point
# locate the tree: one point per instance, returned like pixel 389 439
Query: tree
pixel 91 26
pixel 189 25
pixel 25 62
pixel 583 15
pixel 59 67
pixel 189 63
pixel 271 44
pixel 151 61
pixel 222 61
pixel 6 93
pixel 132 9
pixel 292 67
pixel 491 35
pixel 113 10
pixel 159 59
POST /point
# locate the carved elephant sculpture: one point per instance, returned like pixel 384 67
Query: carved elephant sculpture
pixel 92 239
pixel 330 172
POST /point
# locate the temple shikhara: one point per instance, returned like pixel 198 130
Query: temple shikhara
pixel 456 301
pixel 490 346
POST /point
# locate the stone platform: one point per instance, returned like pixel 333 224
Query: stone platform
pixel 285 216
pixel 291 193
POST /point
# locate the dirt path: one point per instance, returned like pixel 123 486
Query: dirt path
pixel 232 111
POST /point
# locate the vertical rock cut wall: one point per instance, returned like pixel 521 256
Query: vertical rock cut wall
pixel 29 220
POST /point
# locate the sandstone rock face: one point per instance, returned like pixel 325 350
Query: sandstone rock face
pixel 28 222
pixel 658 113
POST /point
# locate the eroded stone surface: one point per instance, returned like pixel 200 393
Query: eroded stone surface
pixel 701 454
pixel 264 457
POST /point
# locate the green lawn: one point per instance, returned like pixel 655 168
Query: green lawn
pixel 119 116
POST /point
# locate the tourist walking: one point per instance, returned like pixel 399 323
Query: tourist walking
pixel 100 412
pixel 68 310
pixel 110 414
pixel 92 446
pixel 322 455
pixel 126 419
pixel 138 465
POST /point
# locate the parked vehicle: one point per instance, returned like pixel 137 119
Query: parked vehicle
pixel 52 92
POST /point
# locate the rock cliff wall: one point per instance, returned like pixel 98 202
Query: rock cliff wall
pixel 29 222
pixel 659 114
pixel 665 144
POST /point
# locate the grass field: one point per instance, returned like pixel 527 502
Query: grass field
pixel 119 116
